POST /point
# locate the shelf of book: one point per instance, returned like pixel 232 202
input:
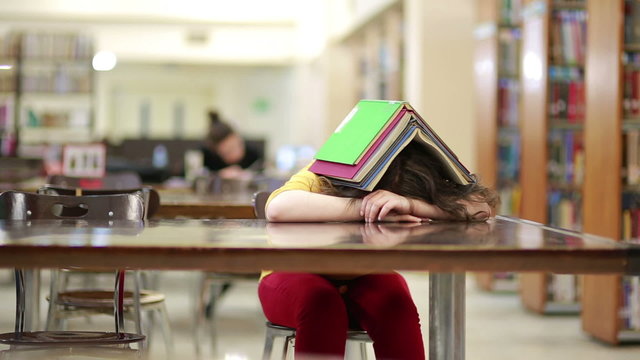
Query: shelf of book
pixel 378 50
pixel 553 108
pixel 8 94
pixel 498 36
pixel 611 304
pixel 7 124
pixel 366 61
pixel 54 82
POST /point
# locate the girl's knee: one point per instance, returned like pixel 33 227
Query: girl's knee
pixel 321 303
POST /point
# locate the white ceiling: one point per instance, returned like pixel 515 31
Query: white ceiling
pixel 194 31
pixel 156 11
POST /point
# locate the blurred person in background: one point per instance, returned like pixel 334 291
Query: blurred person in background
pixel 227 153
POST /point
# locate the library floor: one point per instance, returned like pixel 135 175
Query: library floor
pixel 497 326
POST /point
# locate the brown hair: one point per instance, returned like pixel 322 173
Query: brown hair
pixel 417 173
pixel 218 129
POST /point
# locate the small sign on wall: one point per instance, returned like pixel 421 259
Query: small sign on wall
pixel 84 160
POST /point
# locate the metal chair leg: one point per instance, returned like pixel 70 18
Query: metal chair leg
pixel 166 329
pixel 288 341
pixel 51 322
pixel 136 302
pixel 20 302
pixel 363 351
pixel 118 298
pixel 268 345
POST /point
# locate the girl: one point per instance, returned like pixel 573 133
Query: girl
pixel 415 188
pixel 227 152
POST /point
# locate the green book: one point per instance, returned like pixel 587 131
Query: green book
pixel 360 128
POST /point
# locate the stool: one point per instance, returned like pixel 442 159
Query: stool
pixel 289 334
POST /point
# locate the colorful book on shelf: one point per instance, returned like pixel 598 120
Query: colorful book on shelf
pixel 361 149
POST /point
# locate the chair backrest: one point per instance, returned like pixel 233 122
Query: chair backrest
pixel 150 195
pixel 15 205
pixel 259 203
pixel 111 181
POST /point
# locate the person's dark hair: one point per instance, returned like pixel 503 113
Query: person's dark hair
pixel 218 129
pixel 417 173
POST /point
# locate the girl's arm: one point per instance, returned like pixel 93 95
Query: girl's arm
pixel 379 204
pixel 479 211
pixel 305 206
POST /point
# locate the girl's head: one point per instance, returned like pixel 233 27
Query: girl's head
pixel 224 141
pixel 418 173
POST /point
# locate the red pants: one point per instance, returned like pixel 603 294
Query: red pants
pixel 322 310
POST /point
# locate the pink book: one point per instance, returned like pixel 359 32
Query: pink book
pixel 346 171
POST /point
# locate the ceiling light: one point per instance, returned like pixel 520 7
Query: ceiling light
pixel 104 61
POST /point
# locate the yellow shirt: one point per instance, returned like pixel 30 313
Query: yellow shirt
pixel 302 180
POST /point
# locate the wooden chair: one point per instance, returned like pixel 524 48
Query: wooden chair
pixel 66 303
pixel 289 334
pixel 112 181
pixel 259 203
pixel 149 194
pixel 214 285
pixel 16 205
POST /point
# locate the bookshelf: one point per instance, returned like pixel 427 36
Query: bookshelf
pixel 377 47
pixel 553 113
pixel 8 94
pixel 54 94
pixel 591 100
pixel 498 36
pixel 611 304
pixel 366 61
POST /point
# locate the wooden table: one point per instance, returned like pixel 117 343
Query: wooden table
pixel 446 250
pixel 188 204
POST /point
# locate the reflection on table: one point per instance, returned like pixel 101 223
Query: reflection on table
pixel 446 250
pixel 250 245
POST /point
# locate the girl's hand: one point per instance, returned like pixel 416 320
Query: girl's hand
pixel 380 203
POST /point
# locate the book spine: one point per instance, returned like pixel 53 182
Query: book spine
pixel 632 165
pixel 634 302
pixel 578 158
pixel 626 99
pixel 635 96
pixel 571 102
pixel 568 157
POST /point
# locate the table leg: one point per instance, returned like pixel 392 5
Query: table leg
pixel 446 316
pixel 32 299
pixel 29 284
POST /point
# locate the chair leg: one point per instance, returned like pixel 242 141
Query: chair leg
pixel 53 300
pixel 118 301
pixel 289 342
pixel 268 345
pixel 363 350
pixel 136 302
pixel 202 297
pixel 166 329
pixel 20 301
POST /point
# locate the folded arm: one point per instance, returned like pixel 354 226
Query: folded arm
pixel 479 211
pixel 305 206
pixel 378 205
pixel 381 205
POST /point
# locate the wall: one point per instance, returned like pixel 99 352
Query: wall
pixel 256 99
pixel 214 31
pixel 439 69
pixel 439 50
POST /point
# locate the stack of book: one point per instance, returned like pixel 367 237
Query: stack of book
pixel 568 36
pixel 361 149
